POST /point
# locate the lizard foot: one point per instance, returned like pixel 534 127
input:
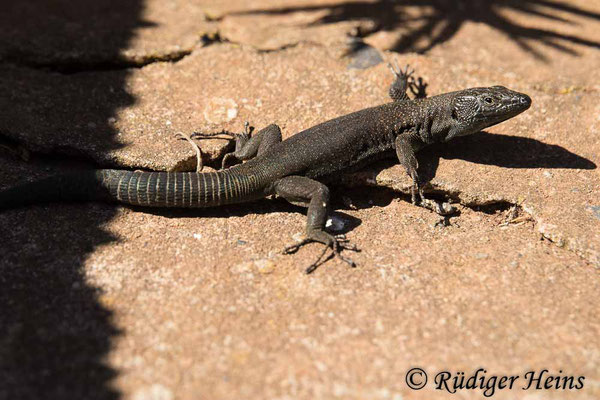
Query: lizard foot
pixel 399 73
pixel 183 136
pixel 336 243
pixel 239 138
pixel 440 208
pixel 419 199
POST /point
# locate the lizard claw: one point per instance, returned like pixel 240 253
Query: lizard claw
pixel 248 129
pixel 399 73
pixel 418 199
pixel 291 249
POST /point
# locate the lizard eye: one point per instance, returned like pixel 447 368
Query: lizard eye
pixel 488 100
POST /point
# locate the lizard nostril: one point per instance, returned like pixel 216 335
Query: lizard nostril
pixel 525 100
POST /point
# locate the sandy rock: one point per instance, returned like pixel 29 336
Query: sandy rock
pixel 110 302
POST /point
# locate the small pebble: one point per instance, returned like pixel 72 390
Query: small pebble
pixel 264 266
pixel 298 237
pixel 241 268
pixel 153 392
pixel 595 210
pixel 335 224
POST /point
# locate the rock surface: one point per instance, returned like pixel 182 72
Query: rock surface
pixel 110 302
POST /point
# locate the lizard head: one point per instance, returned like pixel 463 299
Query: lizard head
pixel 478 108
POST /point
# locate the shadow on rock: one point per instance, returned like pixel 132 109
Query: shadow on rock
pixel 427 23
pixel 512 152
pixel 263 206
pixel 499 150
pixel 55 334
pixel 489 149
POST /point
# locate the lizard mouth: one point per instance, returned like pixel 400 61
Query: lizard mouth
pixel 512 107
pixel 523 102
pixel 518 103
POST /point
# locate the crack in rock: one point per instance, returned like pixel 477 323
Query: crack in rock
pixel 490 205
pixel 74 66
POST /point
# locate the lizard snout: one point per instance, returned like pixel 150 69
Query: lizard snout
pixel 525 100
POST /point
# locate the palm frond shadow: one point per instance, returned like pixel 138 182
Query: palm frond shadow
pixel 433 22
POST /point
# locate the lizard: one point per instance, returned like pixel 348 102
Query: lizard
pixel 299 168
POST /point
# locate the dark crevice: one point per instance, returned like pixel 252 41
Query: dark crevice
pixel 74 66
pixel 72 157
pixel 62 156
pixel 215 38
pixel 494 207
pixel 285 47
pixel 454 197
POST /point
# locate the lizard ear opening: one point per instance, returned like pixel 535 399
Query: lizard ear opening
pixel 454 114
pixel 464 108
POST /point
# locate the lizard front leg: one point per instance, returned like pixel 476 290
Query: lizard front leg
pixel 407 144
pixel 306 192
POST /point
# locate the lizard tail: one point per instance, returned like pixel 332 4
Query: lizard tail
pixel 74 186
pixel 151 189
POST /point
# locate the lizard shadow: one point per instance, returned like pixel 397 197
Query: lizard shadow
pixel 493 149
pixel 259 207
pixel 489 149
pixel 500 150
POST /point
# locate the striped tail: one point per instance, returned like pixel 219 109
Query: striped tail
pixel 151 189
pixel 180 189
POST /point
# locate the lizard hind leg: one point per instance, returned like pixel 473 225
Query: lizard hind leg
pixel 183 136
pixel 248 146
pixel 314 195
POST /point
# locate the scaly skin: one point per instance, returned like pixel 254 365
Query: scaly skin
pixel 296 168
